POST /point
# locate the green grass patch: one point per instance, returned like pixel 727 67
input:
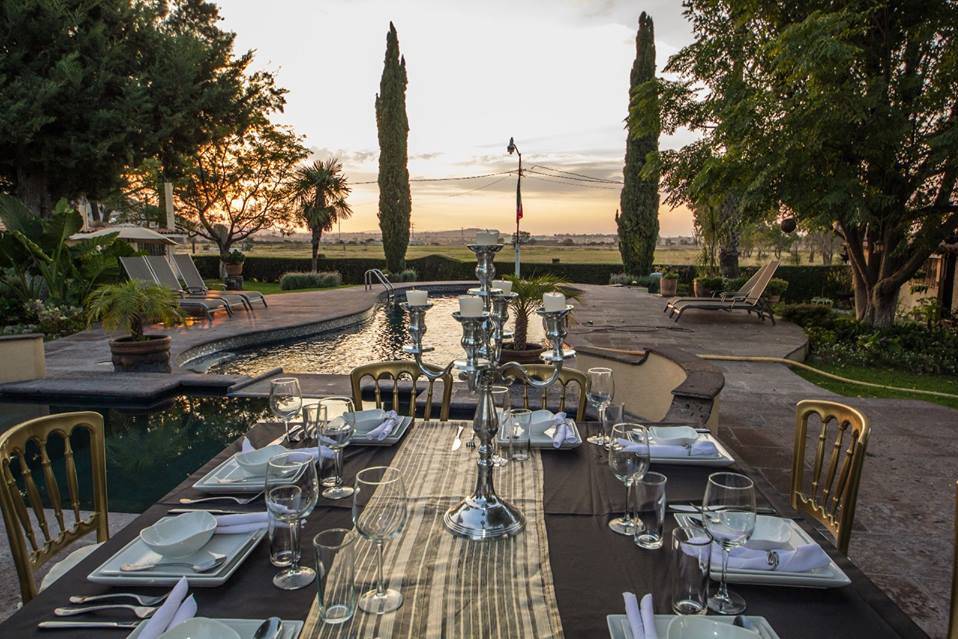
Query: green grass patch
pixel 888 377
pixel 266 288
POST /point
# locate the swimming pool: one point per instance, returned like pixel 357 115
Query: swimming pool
pixel 378 338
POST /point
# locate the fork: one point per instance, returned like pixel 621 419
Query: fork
pixel 143 600
pixel 242 501
pixel 140 611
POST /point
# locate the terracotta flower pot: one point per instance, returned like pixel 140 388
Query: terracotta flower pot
pixel 698 290
pixel 234 269
pixel 668 286
pixel 151 355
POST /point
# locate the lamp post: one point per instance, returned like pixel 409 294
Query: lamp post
pixel 512 147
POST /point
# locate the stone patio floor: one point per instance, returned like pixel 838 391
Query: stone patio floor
pixel 905 516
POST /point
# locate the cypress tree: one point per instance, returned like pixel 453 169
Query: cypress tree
pixel 638 222
pixel 395 202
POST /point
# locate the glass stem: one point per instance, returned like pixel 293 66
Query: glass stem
pixel 339 467
pixel 286 425
pixel 603 436
pixel 628 504
pixel 293 545
pixel 723 586
pixel 380 582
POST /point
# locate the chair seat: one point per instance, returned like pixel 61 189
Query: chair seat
pixel 66 564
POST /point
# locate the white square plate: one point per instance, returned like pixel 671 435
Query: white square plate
pixel 722 459
pixel 542 423
pixel 361 438
pixel 619 625
pixel 229 478
pixel 246 627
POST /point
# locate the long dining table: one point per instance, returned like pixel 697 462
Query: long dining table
pixel 575 572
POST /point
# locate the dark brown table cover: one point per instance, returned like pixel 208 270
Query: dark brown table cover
pixel 591 565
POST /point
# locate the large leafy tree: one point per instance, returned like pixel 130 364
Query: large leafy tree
pixel 843 114
pixel 638 222
pixel 321 189
pixel 395 202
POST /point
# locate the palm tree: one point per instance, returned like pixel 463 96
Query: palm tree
pixel 529 298
pixel 321 190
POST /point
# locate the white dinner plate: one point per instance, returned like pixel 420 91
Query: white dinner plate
pixel 540 432
pixel 830 576
pixel 721 459
pixel 245 628
pixel 361 438
pixel 229 478
pixel 619 625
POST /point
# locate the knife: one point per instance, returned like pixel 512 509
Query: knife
pixel 690 508
pixel 212 511
pixel 57 625
pixel 457 442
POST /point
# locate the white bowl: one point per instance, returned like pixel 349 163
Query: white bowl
pixel 200 628
pixel 771 533
pixel 180 536
pixel 691 627
pixel 254 462
pixel 674 435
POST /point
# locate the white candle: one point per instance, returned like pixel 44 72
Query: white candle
pixel 553 302
pixel 416 297
pixel 470 306
pixel 504 285
pixel 487 238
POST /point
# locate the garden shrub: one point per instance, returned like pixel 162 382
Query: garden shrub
pixel 405 275
pixel 322 279
pixel 623 279
pixel 710 283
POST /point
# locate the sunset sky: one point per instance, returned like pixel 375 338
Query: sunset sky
pixel 554 74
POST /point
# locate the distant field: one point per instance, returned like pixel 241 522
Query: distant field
pixel 530 254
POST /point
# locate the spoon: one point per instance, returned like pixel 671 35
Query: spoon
pixel 269 629
pixel 206 565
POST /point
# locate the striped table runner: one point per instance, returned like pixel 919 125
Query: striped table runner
pixel 454 587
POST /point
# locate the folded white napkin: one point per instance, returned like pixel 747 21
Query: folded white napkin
pixel 701 448
pixel 317 452
pixel 641 616
pixel 175 610
pixel 381 432
pixel 236 524
pixel 564 433
pixel 803 558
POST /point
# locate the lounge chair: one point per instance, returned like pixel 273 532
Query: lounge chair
pixel 740 294
pixel 195 283
pixel 166 276
pixel 137 269
pixel 754 302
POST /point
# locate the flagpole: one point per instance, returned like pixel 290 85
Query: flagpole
pixel 512 147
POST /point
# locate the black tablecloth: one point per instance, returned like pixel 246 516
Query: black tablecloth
pixel 591 565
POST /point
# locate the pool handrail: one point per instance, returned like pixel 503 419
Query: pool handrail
pixel 379 275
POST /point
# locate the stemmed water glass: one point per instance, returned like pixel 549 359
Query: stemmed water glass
pixel 292 490
pixel 601 392
pixel 629 461
pixel 336 423
pixel 728 511
pixel 379 514
pixel 285 400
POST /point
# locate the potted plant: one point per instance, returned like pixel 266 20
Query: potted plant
pixel 776 286
pixel 669 283
pixel 129 306
pixel 234 263
pixel 706 286
pixel 528 299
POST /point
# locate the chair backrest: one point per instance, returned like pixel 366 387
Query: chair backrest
pixel 761 283
pixel 567 377
pixel 953 618
pixel 187 268
pixel 750 282
pixel 137 269
pixel 392 373
pixel 830 492
pixel 165 275
pixel 33 539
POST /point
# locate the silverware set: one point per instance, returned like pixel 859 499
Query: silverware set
pixel 241 501
pixel 144 608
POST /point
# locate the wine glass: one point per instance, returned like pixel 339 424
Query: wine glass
pixel 728 511
pixel 628 460
pixel 379 514
pixel 613 414
pixel 336 424
pixel 285 400
pixel 601 392
pixel 292 490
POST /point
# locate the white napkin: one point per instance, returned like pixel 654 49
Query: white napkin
pixel 236 524
pixel 564 433
pixel 641 616
pixel 381 432
pixel 173 611
pixel 317 452
pixel 701 448
pixel 803 558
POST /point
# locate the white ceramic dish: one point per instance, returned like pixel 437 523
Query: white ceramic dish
pixel 179 536
pixel 201 628
pixel 695 627
pixel 771 533
pixel 230 478
pixel 541 427
pixel 255 461
pixel 674 435
pixel 619 625
pixel 246 628
pixel 721 459
pixel 362 438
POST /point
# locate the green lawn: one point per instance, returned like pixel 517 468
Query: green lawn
pixel 902 379
pixel 266 288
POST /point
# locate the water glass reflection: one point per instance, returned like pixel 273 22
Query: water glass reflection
pixel 519 437
pixel 691 560
pixel 336 574
pixel 650 510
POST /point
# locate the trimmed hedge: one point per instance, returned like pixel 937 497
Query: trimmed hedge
pixel 804 282
pixel 322 279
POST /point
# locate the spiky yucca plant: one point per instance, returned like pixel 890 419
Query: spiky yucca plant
pixel 131 305
pixel 529 298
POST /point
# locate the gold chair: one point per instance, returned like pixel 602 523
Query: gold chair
pixel 15 502
pixel 832 492
pixel 953 619
pixel 567 376
pixel 395 371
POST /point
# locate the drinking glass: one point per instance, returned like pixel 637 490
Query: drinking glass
pixel 502 401
pixel 285 400
pixel 379 514
pixel 691 559
pixel 313 416
pixel 336 574
pixel 650 508
pixel 628 460
pixel 613 414
pixel 337 422
pixel 728 511
pixel 519 444
pixel 292 490
pixel 280 549
pixel 601 392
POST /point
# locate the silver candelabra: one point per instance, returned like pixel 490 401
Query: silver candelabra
pixel 484 515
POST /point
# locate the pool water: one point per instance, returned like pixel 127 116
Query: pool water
pixel 379 338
